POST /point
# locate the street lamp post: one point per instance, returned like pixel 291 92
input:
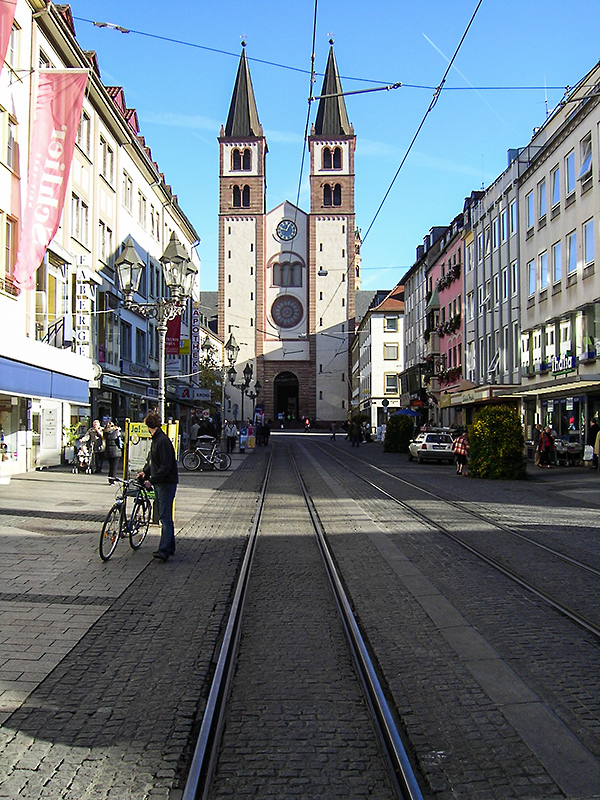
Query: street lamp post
pixel 243 387
pixel 179 273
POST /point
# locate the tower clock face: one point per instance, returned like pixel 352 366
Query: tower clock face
pixel 287 311
pixel 286 230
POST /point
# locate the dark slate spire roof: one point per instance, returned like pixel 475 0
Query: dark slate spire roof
pixel 332 119
pixel 242 120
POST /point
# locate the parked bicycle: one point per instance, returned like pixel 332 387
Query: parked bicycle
pixel 120 524
pixel 206 454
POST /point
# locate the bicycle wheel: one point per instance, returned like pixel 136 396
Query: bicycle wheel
pixel 191 460
pixel 222 461
pixel 140 520
pixel 109 536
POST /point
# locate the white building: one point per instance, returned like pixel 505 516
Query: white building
pixel 49 354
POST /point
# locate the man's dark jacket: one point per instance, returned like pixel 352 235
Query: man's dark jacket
pixel 161 466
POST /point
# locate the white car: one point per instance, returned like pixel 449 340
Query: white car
pixel 431 446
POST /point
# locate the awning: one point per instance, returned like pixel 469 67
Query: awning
pixel 569 385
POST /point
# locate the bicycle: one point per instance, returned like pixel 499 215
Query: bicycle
pixel 207 453
pixel 119 525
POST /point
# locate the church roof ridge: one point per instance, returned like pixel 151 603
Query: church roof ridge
pixel 242 120
pixel 332 117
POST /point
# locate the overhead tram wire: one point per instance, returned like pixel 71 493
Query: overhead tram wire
pixel 434 99
pixel 183 43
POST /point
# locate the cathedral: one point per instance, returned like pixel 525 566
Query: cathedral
pixel 287 278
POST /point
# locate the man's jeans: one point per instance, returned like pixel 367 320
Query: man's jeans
pixel 165 494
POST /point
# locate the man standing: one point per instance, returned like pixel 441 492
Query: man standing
pixel 160 471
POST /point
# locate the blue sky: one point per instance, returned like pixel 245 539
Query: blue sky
pixel 182 95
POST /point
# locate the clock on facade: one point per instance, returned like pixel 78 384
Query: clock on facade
pixel 286 230
pixel 287 311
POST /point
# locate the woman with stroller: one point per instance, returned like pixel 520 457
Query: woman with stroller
pixel 94 442
pixel 113 445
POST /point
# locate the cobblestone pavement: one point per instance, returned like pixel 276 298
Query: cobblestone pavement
pixel 297 724
pixel 104 667
pixel 498 694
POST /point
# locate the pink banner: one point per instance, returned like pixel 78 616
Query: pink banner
pixel 7 17
pixel 173 336
pixel 57 115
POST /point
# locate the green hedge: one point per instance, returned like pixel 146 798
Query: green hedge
pixel 497 445
pixel 398 433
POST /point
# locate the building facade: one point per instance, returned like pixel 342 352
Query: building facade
pixel 287 278
pixel 71 333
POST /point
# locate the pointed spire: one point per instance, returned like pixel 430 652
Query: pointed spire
pixel 242 120
pixel 332 119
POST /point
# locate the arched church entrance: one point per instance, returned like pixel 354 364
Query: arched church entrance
pixel 285 397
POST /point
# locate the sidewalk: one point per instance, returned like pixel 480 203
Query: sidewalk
pixel 53 585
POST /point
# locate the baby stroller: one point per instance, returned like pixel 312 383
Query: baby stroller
pixel 82 461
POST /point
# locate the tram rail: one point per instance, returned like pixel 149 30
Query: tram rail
pixel 206 752
pixel 579 618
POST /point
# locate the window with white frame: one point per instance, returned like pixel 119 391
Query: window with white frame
pixel 550 342
pixel 571 252
pixel 105 241
pixel 585 149
pixel 556 262
pixel 565 338
pixel 514 269
pixel 84 132
pixel 529 208
pixel 469 257
pixel 503 222
pixel 555 186
pixel 79 219
pixel 108 160
pixel 496 290
pixel 11 144
pixel 544 270
pixel 479 246
pixel 516 345
pixel 480 299
pixel 390 323
pixel 470 303
pixel 10 254
pixel 570 172
pixel 505 284
pixel 542 199
pixel 588 242
pixel 141 209
pixel 391 383
pixel 127 191
pixel 531 277
pixel 513 217
pixel 495 233
pixel 390 352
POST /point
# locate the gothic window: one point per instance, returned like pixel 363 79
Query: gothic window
pixel 237 197
pixel 326 153
pixel 287 274
pixel 327 195
pixel 337 158
pixel 337 195
pixel 236 159
pixel 246 196
pixel 247 159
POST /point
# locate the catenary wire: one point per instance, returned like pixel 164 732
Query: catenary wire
pixel 432 104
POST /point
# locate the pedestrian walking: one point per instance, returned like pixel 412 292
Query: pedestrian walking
pixel 546 448
pixel 113 447
pixel 591 440
pixel 194 432
pixel 333 431
pixel 94 441
pixel 266 432
pixel 355 433
pixel 460 446
pixel 230 435
pixel 160 473
pixel 537 432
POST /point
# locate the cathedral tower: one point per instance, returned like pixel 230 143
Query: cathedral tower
pixel 243 150
pixel 287 278
pixel 332 246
